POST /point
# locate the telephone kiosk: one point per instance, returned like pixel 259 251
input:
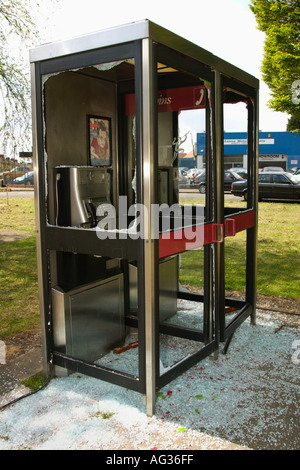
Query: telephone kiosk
pixel 111 117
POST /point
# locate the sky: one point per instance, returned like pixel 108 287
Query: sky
pixel 226 28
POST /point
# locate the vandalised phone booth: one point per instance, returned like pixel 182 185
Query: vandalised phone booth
pixel 132 276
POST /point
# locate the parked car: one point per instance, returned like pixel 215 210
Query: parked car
pixel 243 172
pixel 274 185
pixel 183 180
pixel 294 170
pixel 229 177
pixel 193 172
pixel 26 179
pixel 195 177
pixel 272 169
pixel 295 174
pixel 9 176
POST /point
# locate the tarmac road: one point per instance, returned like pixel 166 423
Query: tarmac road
pixel 183 194
pixel 17 193
pixel 194 194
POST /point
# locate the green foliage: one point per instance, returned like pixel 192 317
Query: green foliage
pixel 107 415
pixel 293 124
pixel 280 21
pixel 35 382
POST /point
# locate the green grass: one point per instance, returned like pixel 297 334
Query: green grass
pixel 279 249
pixel 19 309
pixel 35 382
pixel 278 261
pixel 17 213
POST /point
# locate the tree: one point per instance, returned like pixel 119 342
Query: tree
pixel 17 30
pixel 280 20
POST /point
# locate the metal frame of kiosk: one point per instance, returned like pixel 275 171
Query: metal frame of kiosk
pixel 95 291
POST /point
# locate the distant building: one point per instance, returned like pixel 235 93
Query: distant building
pixel 187 160
pixel 275 149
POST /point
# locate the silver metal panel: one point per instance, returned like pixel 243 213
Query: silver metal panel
pixel 58 298
pixel 59 326
pixel 138 31
pixel 37 204
pixel 148 200
pixel 89 321
pixel 168 286
pixel 94 40
pixel 97 319
pixel 255 204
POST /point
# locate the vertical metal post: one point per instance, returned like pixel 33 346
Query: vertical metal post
pixel 218 192
pixel 251 274
pixel 148 192
pixel 39 198
pixel 209 322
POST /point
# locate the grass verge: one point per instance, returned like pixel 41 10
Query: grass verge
pixel 17 214
pixel 19 309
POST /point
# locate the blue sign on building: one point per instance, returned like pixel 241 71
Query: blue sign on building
pixel 275 148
